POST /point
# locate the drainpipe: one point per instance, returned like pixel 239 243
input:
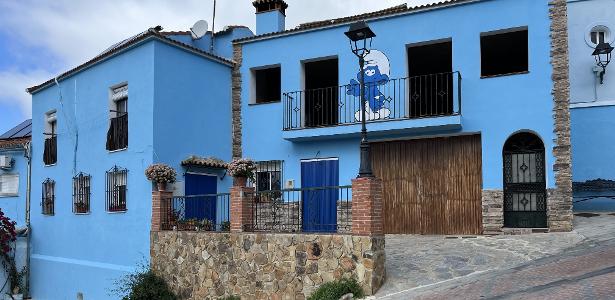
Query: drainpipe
pixel 28 155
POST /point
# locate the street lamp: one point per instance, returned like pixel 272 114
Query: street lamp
pixel 602 53
pixel 360 36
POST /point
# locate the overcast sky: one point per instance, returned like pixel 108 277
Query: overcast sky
pixel 41 39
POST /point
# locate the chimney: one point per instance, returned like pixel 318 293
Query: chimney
pixel 270 16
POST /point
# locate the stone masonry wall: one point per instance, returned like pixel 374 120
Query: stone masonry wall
pixel 560 201
pixel 205 265
pixel 236 100
pixel 493 211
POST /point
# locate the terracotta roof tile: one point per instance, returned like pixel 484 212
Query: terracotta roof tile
pixel 205 162
pixel 9 143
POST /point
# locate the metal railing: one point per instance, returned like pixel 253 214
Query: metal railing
pixel 117 136
pixel 196 213
pixel 423 96
pixel 321 209
pixel 50 150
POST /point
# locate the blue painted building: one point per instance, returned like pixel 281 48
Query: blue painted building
pixel 460 116
pixel 157 97
pixel 592 104
pixel 14 174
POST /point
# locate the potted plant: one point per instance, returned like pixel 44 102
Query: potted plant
pixel 161 174
pixel 207 225
pixel 242 169
pixel 81 207
pixel 8 236
pixel 225 226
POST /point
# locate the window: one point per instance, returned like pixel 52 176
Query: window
pixel 504 52
pixel 268 84
pixel 81 193
pixel 50 151
pixel 117 136
pixel 599 34
pixel 321 92
pixel 268 175
pixel 430 79
pixel 115 199
pixel 9 185
pixel 49 197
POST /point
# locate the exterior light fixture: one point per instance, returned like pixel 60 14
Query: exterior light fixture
pixel 602 54
pixel 360 36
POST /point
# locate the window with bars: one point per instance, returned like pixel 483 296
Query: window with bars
pixel 117 135
pixel 48 197
pixel 116 187
pixel 268 175
pixel 81 193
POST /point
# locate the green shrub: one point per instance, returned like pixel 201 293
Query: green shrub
pixel 336 289
pixel 143 284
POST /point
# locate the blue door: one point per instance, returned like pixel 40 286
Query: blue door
pixel 319 206
pixel 199 206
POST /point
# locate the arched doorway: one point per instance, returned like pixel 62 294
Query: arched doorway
pixel 525 197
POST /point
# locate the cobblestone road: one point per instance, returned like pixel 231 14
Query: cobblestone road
pixel 537 266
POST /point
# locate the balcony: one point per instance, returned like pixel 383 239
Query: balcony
pixel 413 104
pixel 117 135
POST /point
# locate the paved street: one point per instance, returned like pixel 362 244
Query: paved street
pixel 580 264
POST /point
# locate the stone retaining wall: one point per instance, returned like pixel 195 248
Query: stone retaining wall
pixel 204 265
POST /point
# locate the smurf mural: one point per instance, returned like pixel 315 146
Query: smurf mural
pixel 377 70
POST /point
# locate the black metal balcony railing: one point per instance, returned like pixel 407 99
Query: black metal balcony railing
pixel 50 151
pixel 200 212
pixel 423 96
pixel 117 136
pixel 321 209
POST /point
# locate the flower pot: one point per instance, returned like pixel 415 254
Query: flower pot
pixel 162 186
pixel 240 181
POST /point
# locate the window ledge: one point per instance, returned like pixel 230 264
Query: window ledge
pixel 51 165
pixel 263 103
pixel 592 104
pixel 82 214
pixel 504 75
pixel 116 212
pixel 117 150
pixel 7 195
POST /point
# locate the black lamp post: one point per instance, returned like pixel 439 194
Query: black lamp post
pixel 360 36
pixel 602 53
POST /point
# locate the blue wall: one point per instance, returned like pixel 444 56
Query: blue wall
pixel 178 105
pixel 593 143
pixel 86 253
pixel 14 207
pixel 270 21
pixel 494 107
pixel 222 41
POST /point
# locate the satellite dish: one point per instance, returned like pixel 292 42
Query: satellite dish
pixel 199 29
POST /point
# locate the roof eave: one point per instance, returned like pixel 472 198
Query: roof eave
pixel 150 36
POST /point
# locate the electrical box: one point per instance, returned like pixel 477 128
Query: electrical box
pixel 289 184
pixel 6 162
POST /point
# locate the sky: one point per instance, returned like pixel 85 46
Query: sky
pixel 42 39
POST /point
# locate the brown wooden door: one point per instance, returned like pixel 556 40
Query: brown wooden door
pixel 431 186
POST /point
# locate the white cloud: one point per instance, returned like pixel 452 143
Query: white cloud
pixel 13 85
pixel 72 32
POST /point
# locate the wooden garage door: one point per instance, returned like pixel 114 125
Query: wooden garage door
pixel 431 186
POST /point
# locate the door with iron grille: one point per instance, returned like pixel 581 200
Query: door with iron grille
pixel 525 197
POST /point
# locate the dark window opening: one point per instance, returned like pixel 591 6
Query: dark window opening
pixel 50 150
pixel 268 176
pixel 430 82
pixel 321 92
pixel 504 53
pixel 598 36
pixel 81 193
pixel 115 196
pixel 48 197
pixel 268 85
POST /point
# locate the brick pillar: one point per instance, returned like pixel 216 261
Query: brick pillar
pixel 158 207
pixel 367 206
pixel 242 199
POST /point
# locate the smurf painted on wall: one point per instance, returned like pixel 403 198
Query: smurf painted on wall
pixel 377 70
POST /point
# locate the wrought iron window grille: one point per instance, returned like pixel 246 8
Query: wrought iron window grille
pixel 48 197
pixel 116 182
pixel 81 193
pixel 50 150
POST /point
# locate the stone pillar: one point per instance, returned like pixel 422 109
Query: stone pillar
pixel 159 206
pixel 242 199
pixel 367 206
